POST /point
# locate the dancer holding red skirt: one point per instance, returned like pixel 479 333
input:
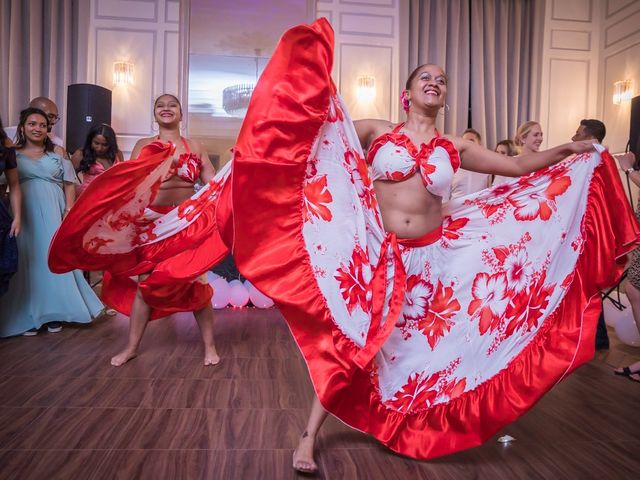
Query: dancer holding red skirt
pixel 141 223
pixel 428 326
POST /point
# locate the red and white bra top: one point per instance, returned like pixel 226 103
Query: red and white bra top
pixel 393 156
pixel 187 167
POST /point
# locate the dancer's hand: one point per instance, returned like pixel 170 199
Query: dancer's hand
pixel 626 160
pixel 582 146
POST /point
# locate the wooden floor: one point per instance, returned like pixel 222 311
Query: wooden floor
pixel 67 414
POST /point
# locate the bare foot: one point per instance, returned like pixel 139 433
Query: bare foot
pixel 123 357
pixel 211 356
pixel 303 455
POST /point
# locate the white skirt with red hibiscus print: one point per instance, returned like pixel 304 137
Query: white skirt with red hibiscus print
pixel 431 344
pixel 114 227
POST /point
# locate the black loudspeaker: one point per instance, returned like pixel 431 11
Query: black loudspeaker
pixel 634 129
pixel 87 105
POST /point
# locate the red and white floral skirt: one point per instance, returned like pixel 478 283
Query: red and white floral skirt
pixel 433 344
pixel 114 227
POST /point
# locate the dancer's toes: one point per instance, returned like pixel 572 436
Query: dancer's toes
pixel 211 356
pixel 211 359
pixel 123 357
pixel 303 456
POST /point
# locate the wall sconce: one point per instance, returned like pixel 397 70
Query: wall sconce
pixel 366 88
pixel 622 91
pixel 122 73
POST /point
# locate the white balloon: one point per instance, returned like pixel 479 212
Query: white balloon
pixel 258 298
pixel 627 330
pixel 212 276
pixel 235 282
pixel 221 290
pixel 238 294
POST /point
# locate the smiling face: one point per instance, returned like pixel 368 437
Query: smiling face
pixel 428 87
pixel 167 110
pixel 34 128
pixel 532 140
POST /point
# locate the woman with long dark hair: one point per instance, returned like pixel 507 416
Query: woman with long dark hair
pixel 9 222
pixel 36 296
pixel 100 152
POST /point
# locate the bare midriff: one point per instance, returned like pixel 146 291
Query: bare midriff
pixel 407 208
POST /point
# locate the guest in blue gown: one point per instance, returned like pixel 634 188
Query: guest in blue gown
pixel 36 296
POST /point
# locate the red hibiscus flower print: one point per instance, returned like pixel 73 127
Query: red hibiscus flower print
pixel 518 269
pixel 145 233
pixel 527 307
pixel 451 228
pixel 95 244
pixel 489 300
pixel 190 209
pixel 416 299
pixel 438 320
pixel 531 205
pixel 454 388
pixel 316 198
pixel 353 287
pixel 418 392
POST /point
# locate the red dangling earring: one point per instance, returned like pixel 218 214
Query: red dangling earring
pixel 404 99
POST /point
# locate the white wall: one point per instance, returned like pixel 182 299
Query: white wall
pixel 367 42
pixel 619 60
pixel 588 45
pixel 145 33
pixel 569 83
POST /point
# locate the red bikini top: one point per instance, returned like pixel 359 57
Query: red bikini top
pixel 393 156
pixel 187 166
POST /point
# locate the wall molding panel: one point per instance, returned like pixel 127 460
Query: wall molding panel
pixel 572 10
pixel 137 10
pixel 370 28
pixel 623 28
pixel 579 40
pixel 145 33
pixel 620 61
pixel 615 6
pixel 367 24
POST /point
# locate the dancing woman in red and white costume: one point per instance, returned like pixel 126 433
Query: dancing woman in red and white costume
pixel 141 222
pixel 427 326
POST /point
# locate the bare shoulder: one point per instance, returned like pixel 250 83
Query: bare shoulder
pixel 59 150
pixel 374 126
pixel 370 129
pixel 144 142
pixel 195 146
pixel 458 142
pixel 140 144
pixel 77 156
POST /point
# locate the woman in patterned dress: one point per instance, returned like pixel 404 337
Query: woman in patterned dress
pixel 427 326
pixel 141 223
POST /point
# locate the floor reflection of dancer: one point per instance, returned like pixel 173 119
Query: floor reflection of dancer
pixel 427 326
pixel 141 219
